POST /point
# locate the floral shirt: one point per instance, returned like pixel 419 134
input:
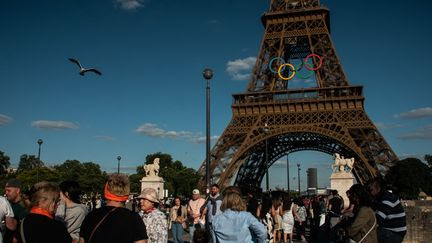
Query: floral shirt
pixel 156 226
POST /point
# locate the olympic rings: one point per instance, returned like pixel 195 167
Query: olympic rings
pixel 289 65
pixel 296 69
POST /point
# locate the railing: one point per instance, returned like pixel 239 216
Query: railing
pixel 306 94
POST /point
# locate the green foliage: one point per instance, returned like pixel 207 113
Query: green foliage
pixel 88 175
pixel 29 162
pixel 4 162
pixel 409 176
pixel 30 177
pixel 428 159
pixel 179 180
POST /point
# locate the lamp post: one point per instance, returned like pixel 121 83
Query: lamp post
pixel 207 74
pixel 39 142
pixel 298 177
pixel 288 183
pixel 118 164
pixel 265 130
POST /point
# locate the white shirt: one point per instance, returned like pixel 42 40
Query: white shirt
pixel 5 208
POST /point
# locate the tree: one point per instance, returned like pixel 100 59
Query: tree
pixel 409 176
pixel 29 177
pixel 428 159
pixel 4 162
pixel 28 162
pixel 88 175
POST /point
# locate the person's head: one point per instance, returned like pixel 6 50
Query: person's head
pixel 177 201
pixel 214 190
pixel 286 203
pixel 232 200
pixel 13 190
pixel 359 196
pixel 195 194
pixel 45 195
pixel 376 186
pixel 276 202
pixel 70 190
pixel 117 188
pixel 148 199
pixel 266 205
pixel 334 192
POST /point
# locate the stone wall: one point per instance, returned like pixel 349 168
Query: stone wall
pixel 419 222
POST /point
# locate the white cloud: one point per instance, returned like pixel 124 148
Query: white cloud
pixel 239 69
pixel 105 138
pixel 152 130
pixel 423 133
pixel 130 4
pixel 416 113
pixel 386 126
pixel 54 125
pixel 5 119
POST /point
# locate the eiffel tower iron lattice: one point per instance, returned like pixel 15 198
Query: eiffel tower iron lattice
pixel 329 117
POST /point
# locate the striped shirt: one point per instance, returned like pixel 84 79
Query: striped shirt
pixel 390 213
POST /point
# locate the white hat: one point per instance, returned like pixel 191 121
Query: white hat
pixel 149 194
pixel 195 192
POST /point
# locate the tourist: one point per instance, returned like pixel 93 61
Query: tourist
pixel 39 225
pixel 154 220
pixel 113 223
pixel 289 210
pixel 389 213
pixel 252 204
pixel 277 213
pixel 300 220
pixel 213 205
pixel 70 210
pixel 19 207
pixel 177 221
pixel 235 224
pixel 363 228
pixel 196 219
pixel 335 205
pixel 264 214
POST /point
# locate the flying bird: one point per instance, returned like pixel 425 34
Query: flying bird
pixel 84 70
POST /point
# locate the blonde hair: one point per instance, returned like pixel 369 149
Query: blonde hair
pixel 232 200
pixel 44 193
pixel 118 184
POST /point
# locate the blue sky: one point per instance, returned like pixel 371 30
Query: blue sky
pixel 151 96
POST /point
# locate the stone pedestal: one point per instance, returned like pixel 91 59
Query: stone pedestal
pixel 154 182
pixel 342 181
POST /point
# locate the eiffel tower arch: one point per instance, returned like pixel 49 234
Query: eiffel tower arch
pixel 329 117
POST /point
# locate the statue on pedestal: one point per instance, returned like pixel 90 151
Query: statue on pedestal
pixel 152 170
pixel 341 163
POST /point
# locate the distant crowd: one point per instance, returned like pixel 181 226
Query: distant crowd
pixel 56 214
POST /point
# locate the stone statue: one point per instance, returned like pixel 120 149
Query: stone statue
pixel 341 162
pixel 152 170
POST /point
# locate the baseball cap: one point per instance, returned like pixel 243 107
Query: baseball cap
pixel 195 191
pixel 13 183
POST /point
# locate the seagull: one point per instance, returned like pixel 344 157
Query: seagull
pixel 83 70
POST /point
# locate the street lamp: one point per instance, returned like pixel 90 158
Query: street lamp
pixel 207 74
pixel 39 142
pixel 265 130
pixel 298 177
pixel 288 183
pixel 118 164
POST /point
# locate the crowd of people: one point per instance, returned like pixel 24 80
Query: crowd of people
pixel 57 214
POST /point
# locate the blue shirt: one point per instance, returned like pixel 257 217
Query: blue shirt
pixel 209 207
pixel 234 226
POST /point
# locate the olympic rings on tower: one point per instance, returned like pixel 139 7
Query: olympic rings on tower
pixel 295 70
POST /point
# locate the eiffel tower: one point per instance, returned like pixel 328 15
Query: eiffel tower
pixel 328 117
